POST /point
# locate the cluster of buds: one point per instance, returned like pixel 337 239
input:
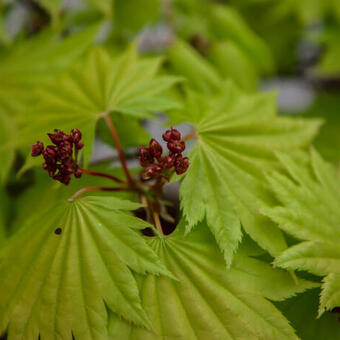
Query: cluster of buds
pixel 60 158
pixel 157 165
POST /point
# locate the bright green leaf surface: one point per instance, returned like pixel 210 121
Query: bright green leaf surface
pixel 103 84
pixel 310 211
pixel 36 61
pixel 208 302
pixel 238 136
pixel 58 285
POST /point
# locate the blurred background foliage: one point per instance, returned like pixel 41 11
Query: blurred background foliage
pixel 288 45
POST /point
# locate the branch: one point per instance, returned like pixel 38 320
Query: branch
pixel 119 148
pixel 101 174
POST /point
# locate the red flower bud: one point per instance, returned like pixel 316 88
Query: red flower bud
pixel 145 156
pixel 152 171
pixel 79 145
pixel 155 148
pixel 75 136
pixel 171 135
pixel 65 149
pixel 167 162
pixel 37 149
pixel 176 146
pixel 50 154
pixel 58 137
pixel 78 173
pixel 181 164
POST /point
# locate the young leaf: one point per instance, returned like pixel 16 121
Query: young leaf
pixel 101 85
pixel 237 137
pixel 66 265
pixel 35 61
pixel 310 211
pixel 207 301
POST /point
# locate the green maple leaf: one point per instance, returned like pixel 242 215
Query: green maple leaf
pixel 34 62
pixel 207 301
pixel 237 137
pixel 55 285
pixel 101 85
pixel 310 212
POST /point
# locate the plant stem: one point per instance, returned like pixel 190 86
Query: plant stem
pixel 101 174
pixel 83 190
pixel 190 135
pixel 158 223
pixel 119 149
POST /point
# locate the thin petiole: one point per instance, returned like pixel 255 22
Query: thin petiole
pixel 101 174
pixel 119 148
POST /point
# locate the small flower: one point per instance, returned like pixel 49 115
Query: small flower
pixel 145 156
pixel 171 135
pixel 61 158
pixel 79 145
pixel 155 148
pixel 37 149
pixel 152 171
pixel 75 135
pixel 176 146
pixel 167 162
pixel 181 164
pixel 78 173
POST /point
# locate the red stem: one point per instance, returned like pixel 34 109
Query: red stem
pixel 101 174
pixel 119 149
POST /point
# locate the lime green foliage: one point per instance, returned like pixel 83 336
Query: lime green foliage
pixel 187 62
pixel 227 23
pixel 104 6
pixel 326 106
pixel 7 151
pixel 330 60
pixel 232 62
pixel 301 311
pixel 54 284
pixel 145 13
pixel 101 85
pixel 3 214
pixel 51 192
pixel 34 62
pixel 310 211
pixel 207 301
pixel 238 136
pixel 234 50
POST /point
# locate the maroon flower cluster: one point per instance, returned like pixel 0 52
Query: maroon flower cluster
pixel 60 158
pixel 157 165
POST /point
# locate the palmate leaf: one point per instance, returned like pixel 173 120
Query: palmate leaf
pixel 55 285
pixel 237 137
pixel 35 61
pixel 206 301
pixel 102 84
pixel 310 211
